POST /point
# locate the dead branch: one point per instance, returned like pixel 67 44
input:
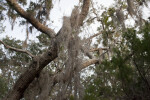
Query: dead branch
pixel 91 37
pixel 31 19
pixel 16 49
pixel 97 49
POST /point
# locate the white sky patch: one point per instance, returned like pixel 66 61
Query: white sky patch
pixel 146 12
pixel 60 9
pixel 106 3
pixel 0 71
pixel 130 22
pixel 18 32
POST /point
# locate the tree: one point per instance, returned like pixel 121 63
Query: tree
pixel 51 68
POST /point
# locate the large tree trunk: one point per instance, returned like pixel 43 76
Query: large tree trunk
pixel 33 70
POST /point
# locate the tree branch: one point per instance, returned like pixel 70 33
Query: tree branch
pixel 84 11
pixel 56 78
pixel 16 49
pixel 141 73
pixel 31 19
pixel 85 40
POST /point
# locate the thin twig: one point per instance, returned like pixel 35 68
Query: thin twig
pixel 141 74
pixel 91 37
pixel 97 49
pixel 96 14
pixel 16 49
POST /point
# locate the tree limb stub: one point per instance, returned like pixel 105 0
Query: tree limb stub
pixel 31 19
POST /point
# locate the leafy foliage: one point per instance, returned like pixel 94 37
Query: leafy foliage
pixel 3 87
pixel 129 69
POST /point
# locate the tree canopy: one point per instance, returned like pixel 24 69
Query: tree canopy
pixel 74 63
